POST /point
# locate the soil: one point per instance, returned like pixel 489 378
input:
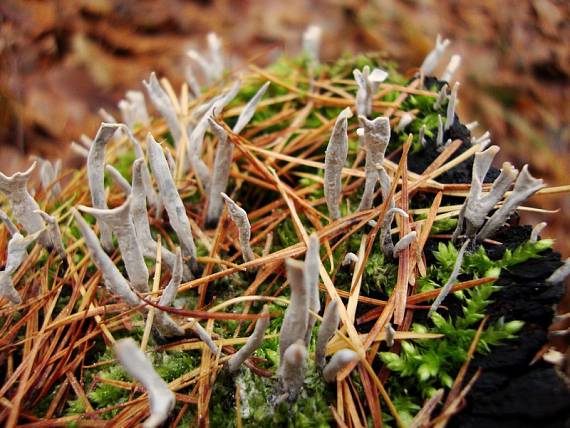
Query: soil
pixel 512 392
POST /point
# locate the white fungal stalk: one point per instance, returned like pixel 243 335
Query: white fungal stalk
pixel 312 42
pixel 441 97
pixel 171 199
pixel 12 229
pixel 328 327
pixel 239 217
pixel 133 109
pixel 432 59
pixel 49 172
pixel 560 274
pixel 339 360
pixel 54 233
pixel 96 175
pixel 296 318
pixel 405 120
pixel 141 224
pixel 536 231
pixel 17 253
pixel 203 335
pixel 212 65
pixel 376 137
pixel 451 280
pixel 477 205
pixel 162 103
pixel 390 335
pixel 335 158
pixel 311 277
pixel 404 243
pixel 451 68
pixel 385 236
pixel 253 342
pixel 161 398
pixel 113 279
pixel 439 137
pixel 450 116
pixel 120 222
pixel 525 186
pixel 196 139
pixel 223 158
pixel 421 136
pixel 118 178
pixel 165 325
pixel 24 206
pixel 292 369
pixel 368 83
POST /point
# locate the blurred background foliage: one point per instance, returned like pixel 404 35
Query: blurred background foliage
pixel 60 61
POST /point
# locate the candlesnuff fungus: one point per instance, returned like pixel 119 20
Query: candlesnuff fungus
pixel 213 65
pixel 385 234
pixel 404 242
pixel 133 109
pixel 162 103
pixel 223 158
pixel 405 120
pixel 525 186
pixel 239 217
pixel 328 327
pixel 161 398
pixel 444 291
pixel 120 222
pixel 54 233
pixel 17 246
pixel 536 231
pixel 434 56
pixel 367 86
pixel 451 68
pixel 376 136
pixel 113 279
pixel 482 140
pixel 12 229
pixel 171 199
pixel 96 175
pixel 311 277
pixel 477 205
pixel 192 81
pixel 118 178
pixel 49 172
pixel 292 369
pixel 203 335
pixel 164 323
pixel 253 342
pixel 312 43
pixel 196 139
pixel 439 137
pixel 23 205
pixel 350 259
pixel 296 318
pixel 421 136
pixel 390 334
pixel 338 361
pixel 441 97
pixel 450 116
pixel 472 125
pixel 560 274
pixel 142 227
pixel 335 158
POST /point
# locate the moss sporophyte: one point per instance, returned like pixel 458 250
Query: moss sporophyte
pixel 245 241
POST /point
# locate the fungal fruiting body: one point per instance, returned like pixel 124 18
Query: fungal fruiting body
pixel 339 360
pixel 239 217
pixel 327 330
pixel 311 278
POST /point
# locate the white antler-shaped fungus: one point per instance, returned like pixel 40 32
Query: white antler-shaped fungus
pixel 433 57
pixel 54 233
pixel 17 252
pixel 560 274
pixel 450 116
pixel 311 277
pixel 12 229
pixel 171 199
pixel 335 158
pixel 292 369
pixel 376 137
pixel 451 68
pixel 164 323
pixel 120 222
pixel 162 103
pixel 477 205
pixel 312 42
pixel 536 231
pixel 239 217
pixel 405 120
pixel 367 86
pixel 203 335
pixel 253 342
pixel 296 318
pixel 525 186
pixel 339 360
pixel 405 242
pixel 441 97
pixel 161 398
pixel 385 235
pixel 328 327
pixel 133 109
pixel 223 158
pixel 450 281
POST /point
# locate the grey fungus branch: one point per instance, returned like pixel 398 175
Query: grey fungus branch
pixel 161 398
pixel 17 252
pixel 328 327
pixel 368 83
pixel 536 231
pixel 339 360
pixel 162 103
pixel 54 233
pixel 335 158
pixel 434 56
pixel 253 342
pixel 560 274
pixel 292 370
pixel 376 136
pixel 171 199
pixel 311 278
pixel 239 217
